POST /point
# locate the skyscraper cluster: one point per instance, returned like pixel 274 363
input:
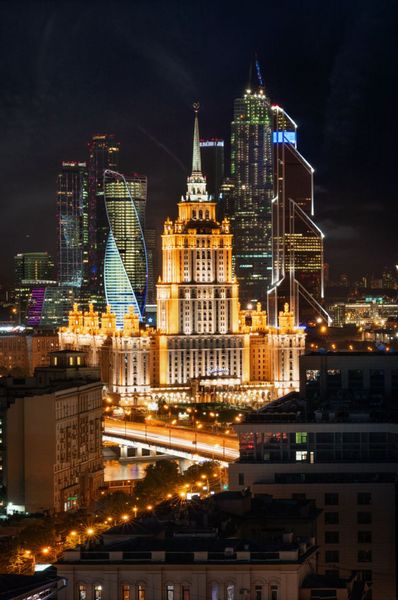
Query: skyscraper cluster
pixel 101 247
pixel 268 198
pixel 106 256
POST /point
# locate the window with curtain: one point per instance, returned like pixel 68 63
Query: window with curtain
pixel 98 595
pixel 126 592
pixel 82 591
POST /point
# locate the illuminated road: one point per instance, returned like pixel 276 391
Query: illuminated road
pixel 207 444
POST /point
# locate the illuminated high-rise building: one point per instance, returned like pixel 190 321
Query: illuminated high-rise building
pixel 298 268
pixel 250 208
pixel 125 262
pixel 103 154
pixel 72 211
pixel 33 267
pixel 151 240
pixel 213 165
pixel 197 296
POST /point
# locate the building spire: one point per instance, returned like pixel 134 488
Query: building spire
pixel 196 162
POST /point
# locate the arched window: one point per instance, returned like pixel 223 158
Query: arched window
pixel 201 214
pixel 274 592
pixel 207 214
pixel 82 591
pixel 140 592
pixel 170 591
pixel 258 591
pixel 98 592
pixel 126 592
pixel 185 592
pixel 230 591
pixel 215 591
pixel 194 214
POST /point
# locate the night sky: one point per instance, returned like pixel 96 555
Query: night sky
pixel 68 70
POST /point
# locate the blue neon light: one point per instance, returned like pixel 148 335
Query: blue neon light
pixel 278 137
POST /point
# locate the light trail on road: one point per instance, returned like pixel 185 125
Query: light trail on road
pixel 215 446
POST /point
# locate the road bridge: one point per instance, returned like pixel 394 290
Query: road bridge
pixel 178 442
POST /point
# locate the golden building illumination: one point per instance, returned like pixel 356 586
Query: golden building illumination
pixel 204 341
pixel 197 295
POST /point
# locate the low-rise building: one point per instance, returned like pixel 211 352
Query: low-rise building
pixel 187 567
pixel 21 353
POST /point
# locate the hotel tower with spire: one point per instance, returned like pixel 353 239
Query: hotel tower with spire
pixel 197 295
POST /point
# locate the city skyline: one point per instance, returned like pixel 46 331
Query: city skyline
pixel 150 127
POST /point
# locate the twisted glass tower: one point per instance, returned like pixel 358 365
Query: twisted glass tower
pixel 125 262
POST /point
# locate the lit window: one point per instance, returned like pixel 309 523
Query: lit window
pixel 170 592
pixel 230 592
pixel 140 592
pixel 301 456
pixel 98 592
pixel 126 592
pixel 82 592
pixel 214 591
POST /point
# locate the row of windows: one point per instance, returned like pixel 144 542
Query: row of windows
pixel 332 498
pixel 333 556
pixel 363 518
pixel 183 591
pixel 333 537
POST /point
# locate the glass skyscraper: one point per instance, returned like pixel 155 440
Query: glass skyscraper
pixel 213 165
pixel 297 240
pixel 72 197
pixel 125 260
pixel 103 154
pixel 249 208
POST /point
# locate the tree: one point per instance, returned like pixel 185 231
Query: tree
pixel 114 504
pixel 161 478
pixel 194 472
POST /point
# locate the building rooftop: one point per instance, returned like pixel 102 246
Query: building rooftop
pixel 373 354
pixel 209 531
pixel 192 549
pixel 347 408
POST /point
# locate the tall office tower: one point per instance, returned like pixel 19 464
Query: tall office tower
pixel 103 154
pixel 297 275
pixel 33 267
pixel 32 270
pixel 197 296
pixel 250 211
pixel 213 165
pixel 125 261
pixel 151 238
pixel 72 212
